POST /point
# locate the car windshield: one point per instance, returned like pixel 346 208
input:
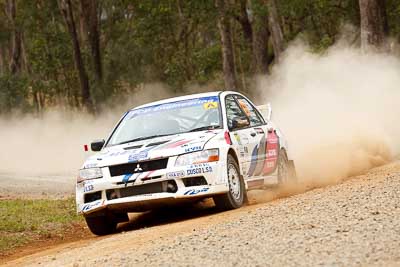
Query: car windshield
pixel 168 119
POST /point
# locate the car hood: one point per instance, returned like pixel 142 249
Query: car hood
pixel 161 147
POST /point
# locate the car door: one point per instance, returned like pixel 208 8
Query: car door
pixel 239 136
pixel 258 135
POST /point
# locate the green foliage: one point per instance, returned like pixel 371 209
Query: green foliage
pixel 319 21
pixel 153 41
pixel 393 12
pixel 14 93
pixel 174 42
pixel 22 221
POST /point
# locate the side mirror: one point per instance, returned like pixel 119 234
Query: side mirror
pixel 240 122
pixel 97 145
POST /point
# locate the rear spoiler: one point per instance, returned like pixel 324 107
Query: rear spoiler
pixel 266 111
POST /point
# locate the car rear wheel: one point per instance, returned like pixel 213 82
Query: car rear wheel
pixel 236 195
pixel 101 225
pixel 286 169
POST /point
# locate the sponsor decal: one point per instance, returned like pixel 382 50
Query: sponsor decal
pixel 192 192
pixel 177 174
pixel 84 184
pixel 118 153
pixel 173 105
pixel 193 149
pixel 237 137
pixel 269 164
pixel 142 155
pixel 127 178
pixel 271 151
pixel 199 169
pixel 92 205
pixel 210 105
pixel 139 156
pixel 88 188
pixel 244 151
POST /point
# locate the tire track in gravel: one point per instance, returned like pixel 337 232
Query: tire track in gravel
pixel 353 223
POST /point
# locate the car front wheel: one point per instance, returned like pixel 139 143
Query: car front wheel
pixel 101 225
pixel 236 195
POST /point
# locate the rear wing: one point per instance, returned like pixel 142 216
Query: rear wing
pixel 266 111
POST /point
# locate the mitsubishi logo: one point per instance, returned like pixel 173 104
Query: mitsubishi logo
pixel 138 169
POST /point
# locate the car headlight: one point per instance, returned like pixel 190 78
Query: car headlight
pixel 90 173
pixel 209 155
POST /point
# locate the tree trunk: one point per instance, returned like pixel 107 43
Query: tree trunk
pixel 24 55
pixel 260 45
pixel 66 10
pixel 275 28
pixel 90 10
pixel 374 25
pixel 16 49
pixel 228 62
pixel 2 61
pixel 245 21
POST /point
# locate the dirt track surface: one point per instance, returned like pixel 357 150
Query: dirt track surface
pixel 355 223
pixel 38 186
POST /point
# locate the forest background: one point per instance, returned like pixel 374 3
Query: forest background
pixel 86 54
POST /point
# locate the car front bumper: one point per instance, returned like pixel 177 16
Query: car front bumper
pixel 138 193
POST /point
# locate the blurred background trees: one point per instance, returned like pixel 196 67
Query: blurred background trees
pixel 82 53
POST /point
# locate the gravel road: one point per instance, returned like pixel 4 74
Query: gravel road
pixel 38 186
pixel 355 223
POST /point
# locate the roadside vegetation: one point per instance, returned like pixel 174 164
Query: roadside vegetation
pixel 25 221
pixel 84 54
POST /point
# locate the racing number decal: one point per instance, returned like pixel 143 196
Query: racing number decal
pixel 271 153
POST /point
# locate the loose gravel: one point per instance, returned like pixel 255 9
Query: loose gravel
pixel 355 223
pixel 36 187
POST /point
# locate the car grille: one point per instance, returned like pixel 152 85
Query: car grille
pixel 145 166
pixel 151 188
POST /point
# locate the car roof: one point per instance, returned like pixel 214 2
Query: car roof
pixel 179 98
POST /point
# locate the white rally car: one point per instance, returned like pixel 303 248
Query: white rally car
pixel 186 148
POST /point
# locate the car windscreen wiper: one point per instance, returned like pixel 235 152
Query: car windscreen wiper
pixel 143 138
pixel 203 128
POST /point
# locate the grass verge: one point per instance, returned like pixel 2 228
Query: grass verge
pixel 25 221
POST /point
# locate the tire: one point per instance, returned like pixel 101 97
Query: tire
pixel 236 196
pixel 286 169
pixel 101 225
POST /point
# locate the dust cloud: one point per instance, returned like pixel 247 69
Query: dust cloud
pixel 52 144
pixel 339 110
